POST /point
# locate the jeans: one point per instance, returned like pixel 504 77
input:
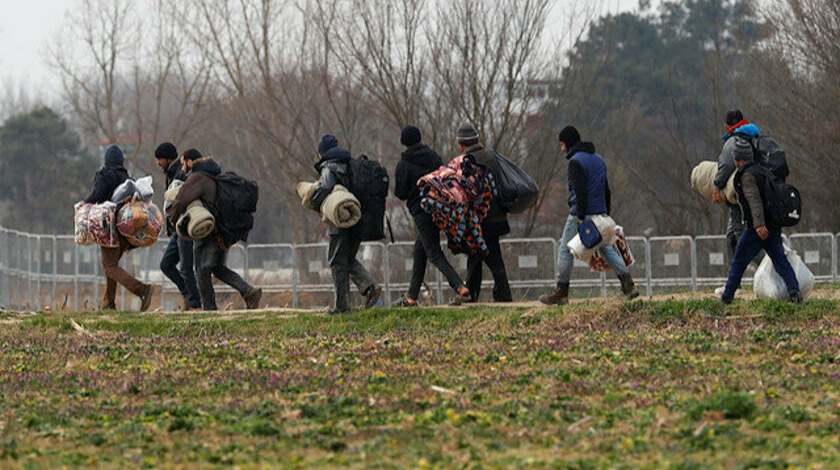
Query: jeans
pixel 734 229
pixel 567 260
pixel 115 274
pixel 748 246
pixel 210 260
pixel 501 287
pixel 427 247
pixel 345 266
pixel 181 250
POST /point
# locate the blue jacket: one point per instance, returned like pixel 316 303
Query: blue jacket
pixel 589 189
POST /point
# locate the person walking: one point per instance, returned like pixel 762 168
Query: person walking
pixel 210 253
pixel 334 168
pixel 106 180
pixel 589 194
pixel 415 162
pixel 178 250
pixel 759 233
pixel 493 227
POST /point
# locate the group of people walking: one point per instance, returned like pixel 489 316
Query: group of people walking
pixel 191 265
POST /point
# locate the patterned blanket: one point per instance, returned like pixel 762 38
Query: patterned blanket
pixel 458 196
pixel 96 223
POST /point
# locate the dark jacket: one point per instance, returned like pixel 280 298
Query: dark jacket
pixel 589 188
pixel 173 172
pixel 416 162
pixel 750 183
pixel 496 215
pixel 199 185
pixel 333 168
pixel 105 182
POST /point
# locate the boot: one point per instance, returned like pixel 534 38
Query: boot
pixel 560 296
pixel 628 287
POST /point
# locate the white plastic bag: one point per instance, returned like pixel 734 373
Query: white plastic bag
pixel 579 250
pixel 140 190
pixel 145 191
pixel 768 284
pixel 606 227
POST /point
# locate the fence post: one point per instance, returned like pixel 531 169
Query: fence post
pixel 648 268
pixel 55 271
pixel 693 265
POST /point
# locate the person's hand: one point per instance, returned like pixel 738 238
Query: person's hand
pixel 762 232
pixel 580 221
pixel 716 196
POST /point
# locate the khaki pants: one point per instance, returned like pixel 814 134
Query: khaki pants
pixel 115 274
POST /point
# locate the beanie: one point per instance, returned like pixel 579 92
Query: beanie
pixel 192 154
pixel 114 156
pixel 743 150
pixel 327 142
pixel 734 117
pixel 466 133
pixel 410 136
pixel 166 151
pixel 569 136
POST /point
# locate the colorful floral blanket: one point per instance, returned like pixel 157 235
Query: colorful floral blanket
pixel 95 223
pixel 140 223
pixel 458 196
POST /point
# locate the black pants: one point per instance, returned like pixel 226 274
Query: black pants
pixel 345 266
pixel 492 231
pixel 181 251
pixel 210 261
pixel 427 247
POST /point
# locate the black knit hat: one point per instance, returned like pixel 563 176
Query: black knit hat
pixel 192 154
pixel 467 133
pixel 327 142
pixel 410 135
pixel 734 117
pixel 114 156
pixel 166 151
pixel 569 136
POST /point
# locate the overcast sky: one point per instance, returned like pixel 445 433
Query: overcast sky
pixel 27 25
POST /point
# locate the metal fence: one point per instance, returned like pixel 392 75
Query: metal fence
pixel 46 271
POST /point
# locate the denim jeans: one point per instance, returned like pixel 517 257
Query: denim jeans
pixel 210 261
pixel 427 247
pixel 181 250
pixel 567 259
pixel 748 246
pixel 345 266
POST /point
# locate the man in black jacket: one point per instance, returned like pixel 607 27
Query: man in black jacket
pixel 417 161
pixel 107 179
pixel 334 168
pixel 178 249
pixel 493 227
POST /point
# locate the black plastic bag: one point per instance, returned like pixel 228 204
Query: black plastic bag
pixel 517 191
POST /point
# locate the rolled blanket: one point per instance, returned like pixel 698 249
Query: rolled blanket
pixel 703 181
pixel 340 209
pixel 196 222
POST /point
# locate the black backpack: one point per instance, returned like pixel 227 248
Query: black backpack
pixel 782 203
pixel 369 181
pixel 769 154
pixel 236 202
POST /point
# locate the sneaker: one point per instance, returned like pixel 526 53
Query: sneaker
pixel 146 298
pixel 796 297
pixel 726 300
pixel 337 311
pixel 462 295
pixel 404 301
pixel 252 298
pixel 372 296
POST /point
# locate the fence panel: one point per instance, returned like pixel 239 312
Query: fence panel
pixel 712 260
pixel 818 251
pixel 314 275
pixel 272 268
pixel 530 265
pixel 672 262
pixel 4 267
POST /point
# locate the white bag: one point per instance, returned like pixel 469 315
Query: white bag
pixel 768 284
pixel 579 250
pixel 140 190
pixel 145 191
pixel 606 227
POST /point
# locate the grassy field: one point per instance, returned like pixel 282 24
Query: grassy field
pixel 679 383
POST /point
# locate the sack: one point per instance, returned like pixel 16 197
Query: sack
pixel 598 263
pixel 782 204
pixel 579 251
pixel 81 223
pixel 769 154
pixel 140 223
pixel 589 234
pixel 517 191
pixel 140 190
pixel 96 223
pixel 236 202
pixel 369 181
pixel 768 284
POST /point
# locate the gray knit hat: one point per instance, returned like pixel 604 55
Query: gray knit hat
pixel 743 149
pixel 466 133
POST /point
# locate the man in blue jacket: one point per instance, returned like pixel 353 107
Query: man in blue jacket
pixel 589 194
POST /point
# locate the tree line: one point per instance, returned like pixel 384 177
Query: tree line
pixel 256 82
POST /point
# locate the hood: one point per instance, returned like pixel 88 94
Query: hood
pixel 335 154
pixel 586 147
pixel 422 156
pixel 751 130
pixel 207 165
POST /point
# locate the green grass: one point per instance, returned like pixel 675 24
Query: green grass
pixel 682 384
